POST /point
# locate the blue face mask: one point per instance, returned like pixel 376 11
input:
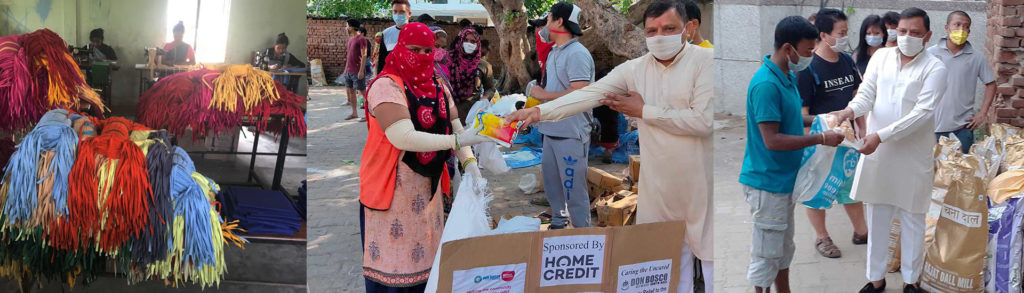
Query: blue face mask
pixel 400 19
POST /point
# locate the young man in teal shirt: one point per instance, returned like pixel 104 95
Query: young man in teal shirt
pixel 775 142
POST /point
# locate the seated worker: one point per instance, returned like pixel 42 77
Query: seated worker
pixel 100 52
pixel 283 61
pixel 178 52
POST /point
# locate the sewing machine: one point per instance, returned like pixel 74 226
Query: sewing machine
pixel 261 59
pixel 97 73
pixel 81 55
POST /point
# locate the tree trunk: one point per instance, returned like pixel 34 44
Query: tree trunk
pixel 636 11
pixel 620 35
pixel 510 23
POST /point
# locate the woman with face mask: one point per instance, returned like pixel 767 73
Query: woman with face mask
pixel 413 132
pixel 441 60
pixel 873 35
pixel 465 58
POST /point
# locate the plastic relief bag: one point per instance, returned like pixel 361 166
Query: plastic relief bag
pixel 824 170
pixel 470 218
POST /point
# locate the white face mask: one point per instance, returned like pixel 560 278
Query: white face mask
pixel 841 44
pixel 801 64
pixel 468 47
pixel 665 47
pixel 873 41
pixel 892 35
pixel 910 46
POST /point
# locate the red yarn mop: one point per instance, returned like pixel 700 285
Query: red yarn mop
pixel 18 104
pixel 156 104
pixel 289 105
pixel 52 64
pixel 110 158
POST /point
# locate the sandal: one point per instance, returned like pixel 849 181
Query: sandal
pixel 545 217
pixel 860 239
pixel 827 249
pixel 350 117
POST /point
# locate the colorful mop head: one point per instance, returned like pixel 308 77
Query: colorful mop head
pixel 53 133
pixel 170 92
pixel 18 104
pixel 289 106
pixel 190 93
pixel 152 244
pixel 242 85
pixel 64 82
pixel 196 251
pixel 111 174
pixel 84 126
pixel 204 120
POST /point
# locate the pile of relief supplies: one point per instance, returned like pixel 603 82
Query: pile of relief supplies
pixel 976 196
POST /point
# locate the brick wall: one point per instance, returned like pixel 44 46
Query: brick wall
pixel 327 40
pixel 1004 48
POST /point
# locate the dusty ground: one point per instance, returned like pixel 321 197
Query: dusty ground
pixel 335 147
pixel 809 272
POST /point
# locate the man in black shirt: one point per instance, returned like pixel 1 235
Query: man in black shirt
pixel 829 84
pixel 100 52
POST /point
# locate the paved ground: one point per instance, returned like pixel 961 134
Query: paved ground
pixel 334 251
pixel 809 272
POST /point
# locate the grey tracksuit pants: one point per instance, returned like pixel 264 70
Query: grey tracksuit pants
pixel 564 166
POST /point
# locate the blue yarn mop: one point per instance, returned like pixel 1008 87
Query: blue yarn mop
pixel 53 133
pixel 191 204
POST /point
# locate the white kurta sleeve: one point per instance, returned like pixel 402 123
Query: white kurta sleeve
pixel 698 120
pixel 587 97
pixel 867 92
pixel 934 86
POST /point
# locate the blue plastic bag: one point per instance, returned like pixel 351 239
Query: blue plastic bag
pixel 826 173
pixel 531 139
pixel 629 145
pixel 522 158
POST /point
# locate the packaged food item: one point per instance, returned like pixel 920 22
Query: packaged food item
pixel 531 102
pixel 954 260
pixel 495 128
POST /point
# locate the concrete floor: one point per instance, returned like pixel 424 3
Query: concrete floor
pixel 810 272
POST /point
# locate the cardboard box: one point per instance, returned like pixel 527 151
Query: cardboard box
pixel 601 183
pixel 616 259
pixel 634 168
pixel 618 212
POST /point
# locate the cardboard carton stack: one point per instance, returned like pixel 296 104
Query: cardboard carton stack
pixel 614 199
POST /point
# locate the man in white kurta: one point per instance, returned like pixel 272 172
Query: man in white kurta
pixel 899 95
pixel 675 141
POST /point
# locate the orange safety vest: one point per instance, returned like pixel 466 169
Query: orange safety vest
pixel 379 169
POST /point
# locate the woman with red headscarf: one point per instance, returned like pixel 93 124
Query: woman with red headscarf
pixel 465 59
pixel 413 131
